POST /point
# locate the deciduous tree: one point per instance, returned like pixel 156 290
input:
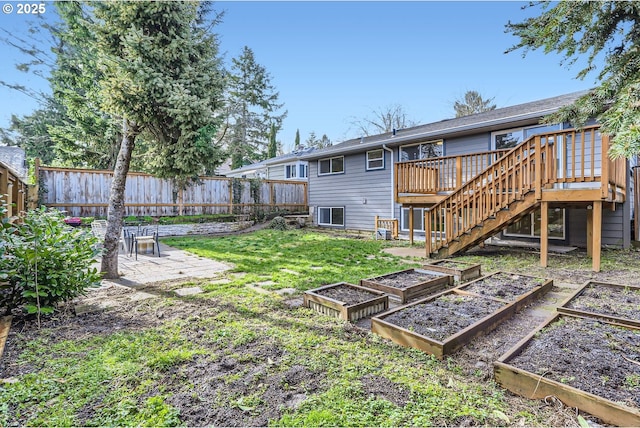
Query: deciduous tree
pixel 383 120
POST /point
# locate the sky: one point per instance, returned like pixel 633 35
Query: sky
pixel 336 62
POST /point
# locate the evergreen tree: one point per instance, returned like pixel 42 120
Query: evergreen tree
pixel 591 31
pixel 273 145
pixel 319 143
pixel 155 69
pixel 296 144
pixel 253 107
pixel 472 103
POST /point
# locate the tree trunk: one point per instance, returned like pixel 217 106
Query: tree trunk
pixel 115 211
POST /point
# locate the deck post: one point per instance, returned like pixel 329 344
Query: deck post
pixel 458 171
pixel 427 232
pixel 375 227
pixel 410 224
pixel 604 176
pixel 544 233
pixel 597 235
pixel 538 168
pixel 589 231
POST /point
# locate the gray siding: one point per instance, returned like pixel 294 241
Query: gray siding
pixel 468 144
pixel 613 228
pixel 363 194
pixel 275 172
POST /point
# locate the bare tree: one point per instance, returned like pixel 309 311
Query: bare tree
pixel 383 120
pixel 472 103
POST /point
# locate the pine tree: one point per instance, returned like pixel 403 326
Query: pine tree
pixel 273 145
pixel 296 144
pixel 253 107
pixel 590 31
pixel 156 70
pixel 472 103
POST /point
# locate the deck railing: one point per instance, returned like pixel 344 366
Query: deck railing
pixel 555 159
pixel 441 174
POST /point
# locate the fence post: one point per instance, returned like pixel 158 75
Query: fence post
pixel 34 191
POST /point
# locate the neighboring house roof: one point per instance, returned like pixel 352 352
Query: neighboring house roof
pixel 486 121
pixel 289 157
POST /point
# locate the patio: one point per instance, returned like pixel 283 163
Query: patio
pixel 173 264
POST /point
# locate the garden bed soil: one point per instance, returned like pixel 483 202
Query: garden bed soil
pixel 586 363
pixel 505 286
pixel 346 301
pixel 442 324
pixel 409 284
pixel 616 302
pixel 461 271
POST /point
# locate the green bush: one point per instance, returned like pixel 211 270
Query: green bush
pixel 43 261
pixel 278 223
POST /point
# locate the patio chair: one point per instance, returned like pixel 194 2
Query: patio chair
pixel 99 230
pixel 144 239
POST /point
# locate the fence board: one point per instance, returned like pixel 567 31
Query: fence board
pixel 81 192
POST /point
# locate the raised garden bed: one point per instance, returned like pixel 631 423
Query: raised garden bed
pixel 613 302
pixel 347 301
pixel 508 287
pixel 461 271
pixel 410 283
pixel 441 324
pixel 586 363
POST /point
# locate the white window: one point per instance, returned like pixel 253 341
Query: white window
pixel 331 166
pixel 290 171
pixel 296 170
pixel 529 225
pixel 418 219
pixel 431 149
pixel 375 159
pixel 331 216
pixel 510 138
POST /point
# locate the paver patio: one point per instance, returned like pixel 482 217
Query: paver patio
pixel 173 264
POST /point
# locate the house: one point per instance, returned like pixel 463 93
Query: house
pixel 284 167
pixel 460 181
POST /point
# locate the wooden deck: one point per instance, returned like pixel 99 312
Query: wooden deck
pixel 562 168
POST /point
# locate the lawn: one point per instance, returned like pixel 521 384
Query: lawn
pixel 236 356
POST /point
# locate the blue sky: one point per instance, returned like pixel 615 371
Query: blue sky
pixel 334 62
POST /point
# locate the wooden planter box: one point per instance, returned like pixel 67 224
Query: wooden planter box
pixel 482 287
pixel 450 344
pixel 461 271
pixel 536 386
pixel 612 301
pixel 410 290
pixel 374 302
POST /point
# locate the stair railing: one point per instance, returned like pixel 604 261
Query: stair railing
pixel 542 161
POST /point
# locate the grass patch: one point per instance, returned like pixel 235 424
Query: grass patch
pixel 236 354
pixel 294 259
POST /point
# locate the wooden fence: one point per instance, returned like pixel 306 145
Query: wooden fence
pixel 13 191
pixel 82 192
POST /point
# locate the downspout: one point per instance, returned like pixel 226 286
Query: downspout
pixel 393 205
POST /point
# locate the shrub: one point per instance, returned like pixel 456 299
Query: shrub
pixel 44 262
pixel 278 223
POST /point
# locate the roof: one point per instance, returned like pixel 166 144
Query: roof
pixel 479 122
pixel 294 155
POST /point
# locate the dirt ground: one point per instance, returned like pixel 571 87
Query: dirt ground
pixel 195 387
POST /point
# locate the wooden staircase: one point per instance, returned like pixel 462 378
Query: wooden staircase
pixel 519 182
